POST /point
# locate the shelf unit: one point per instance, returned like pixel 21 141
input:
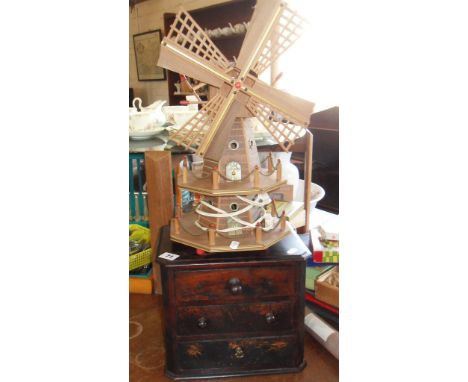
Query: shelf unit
pixel 212 17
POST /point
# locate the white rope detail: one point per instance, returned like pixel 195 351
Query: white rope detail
pixel 260 201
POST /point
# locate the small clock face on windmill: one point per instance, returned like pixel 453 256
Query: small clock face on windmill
pixel 233 171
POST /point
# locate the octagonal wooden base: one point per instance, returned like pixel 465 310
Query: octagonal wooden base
pixel 189 234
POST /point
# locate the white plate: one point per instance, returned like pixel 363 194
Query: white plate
pixel 145 134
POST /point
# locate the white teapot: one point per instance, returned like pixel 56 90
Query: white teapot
pixel 146 118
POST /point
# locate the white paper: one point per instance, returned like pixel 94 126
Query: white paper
pixel 234 244
pixel 169 256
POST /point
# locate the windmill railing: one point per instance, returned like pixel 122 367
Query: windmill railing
pixel 217 181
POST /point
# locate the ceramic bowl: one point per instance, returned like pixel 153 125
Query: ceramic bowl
pixel 317 193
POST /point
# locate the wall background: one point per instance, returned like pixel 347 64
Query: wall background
pixel 147 16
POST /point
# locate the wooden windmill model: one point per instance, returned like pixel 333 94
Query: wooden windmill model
pixel 232 187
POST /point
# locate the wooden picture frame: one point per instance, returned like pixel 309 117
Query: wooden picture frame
pixel 147 46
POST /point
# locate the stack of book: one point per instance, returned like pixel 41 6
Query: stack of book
pixel 323 262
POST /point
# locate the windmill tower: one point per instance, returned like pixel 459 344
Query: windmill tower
pixel 231 213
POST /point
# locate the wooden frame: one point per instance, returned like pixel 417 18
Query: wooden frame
pixel 158 166
pixel 147 47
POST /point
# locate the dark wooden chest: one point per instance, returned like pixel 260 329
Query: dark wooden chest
pixel 232 313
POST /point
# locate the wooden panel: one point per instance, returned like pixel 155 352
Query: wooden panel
pixel 326 119
pixel 239 354
pixel 325 127
pixel 235 318
pixel 160 199
pixel 204 286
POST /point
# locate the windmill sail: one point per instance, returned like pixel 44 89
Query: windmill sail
pixel 191 134
pixel 287 30
pixel 188 50
pixel 284 129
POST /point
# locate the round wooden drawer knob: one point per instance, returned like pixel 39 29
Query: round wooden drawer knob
pixel 238 352
pixel 235 286
pixel 270 318
pixel 202 322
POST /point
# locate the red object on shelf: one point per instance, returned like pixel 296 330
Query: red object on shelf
pixel 311 298
pixel 200 252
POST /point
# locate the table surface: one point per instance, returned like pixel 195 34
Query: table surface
pixel 147 349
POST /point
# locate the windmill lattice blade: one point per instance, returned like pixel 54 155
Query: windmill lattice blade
pixel 259 30
pixel 187 49
pixel 299 109
pixel 215 150
pixel 281 126
pixel 288 29
pixel 192 132
pixel 170 59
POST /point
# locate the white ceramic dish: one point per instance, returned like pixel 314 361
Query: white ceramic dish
pixel 139 135
pixel 317 193
pixel 148 118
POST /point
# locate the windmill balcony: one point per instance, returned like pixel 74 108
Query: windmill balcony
pixel 216 184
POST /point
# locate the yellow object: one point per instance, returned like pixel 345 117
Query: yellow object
pixel 140 234
pixel 139 259
pixel 140 285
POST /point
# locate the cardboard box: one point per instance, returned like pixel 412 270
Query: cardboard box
pixel 327 287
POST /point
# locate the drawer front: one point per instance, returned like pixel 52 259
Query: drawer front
pixel 257 353
pixel 235 318
pixel 234 284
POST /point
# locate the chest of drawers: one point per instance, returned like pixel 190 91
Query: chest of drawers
pixel 232 313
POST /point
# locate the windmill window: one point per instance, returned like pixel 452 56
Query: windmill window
pixel 234 206
pixel 251 143
pixel 233 145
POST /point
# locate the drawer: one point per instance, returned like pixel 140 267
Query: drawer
pixel 258 353
pixel 235 318
pixel 234 284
